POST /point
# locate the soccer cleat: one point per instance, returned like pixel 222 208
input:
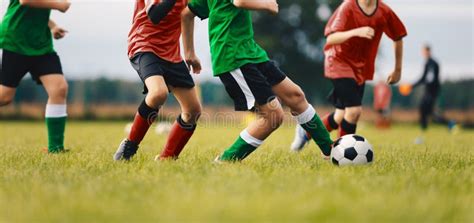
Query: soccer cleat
pixel 45 150
pixel 126 150
pixel 300 141
pixel 218 160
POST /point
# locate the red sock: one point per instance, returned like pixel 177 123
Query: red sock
pixel 139 128
pixel 178 137
pixel 329 122
pixel 142 122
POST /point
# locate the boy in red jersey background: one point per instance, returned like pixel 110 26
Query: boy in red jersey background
pixel 154 52
pixel 353 35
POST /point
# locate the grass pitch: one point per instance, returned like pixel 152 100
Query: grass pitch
pixel 407 183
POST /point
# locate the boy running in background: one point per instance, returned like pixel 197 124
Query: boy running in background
pixel 250 78
pixel 353 35
pixel 26 40
pixel 154 53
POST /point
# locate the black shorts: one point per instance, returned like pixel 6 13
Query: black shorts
pixel 175 74
pixel 346 93
pixel 251 84
pixel 15 66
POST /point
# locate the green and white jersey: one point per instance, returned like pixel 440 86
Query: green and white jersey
pixel 230 35
pixel 24 30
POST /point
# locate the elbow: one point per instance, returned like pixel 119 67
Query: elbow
pixel 239 3
pixel 186 14
pixel 24 2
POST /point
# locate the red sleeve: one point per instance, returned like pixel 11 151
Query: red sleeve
pixel 338 20
pixel 394 28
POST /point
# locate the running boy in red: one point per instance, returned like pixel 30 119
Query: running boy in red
pixel 154 53
pixel 353 35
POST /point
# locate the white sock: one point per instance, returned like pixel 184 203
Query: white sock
pixel 306 116
pixel 55 110
pixel 250 139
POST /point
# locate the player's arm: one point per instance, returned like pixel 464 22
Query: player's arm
pixel 158 9
pixel 60 5
pixel 396 75
pixel 58 32
pixel 187 32
pixel 263 5
pixel 341 37
pixel 423 77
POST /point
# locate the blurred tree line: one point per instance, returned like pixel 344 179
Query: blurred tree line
pixel 294 39
pixel 454 94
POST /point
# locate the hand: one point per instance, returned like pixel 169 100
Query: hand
pixel 58 32
pixel 193 63
pixel 272 7
pixel 364 32
pixel 394 77
pixel 64 6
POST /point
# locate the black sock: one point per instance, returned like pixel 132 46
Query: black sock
pixel 147 112
pixel 332 122
pixel 348 128
pixel 184 125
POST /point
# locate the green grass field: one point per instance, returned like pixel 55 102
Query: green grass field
pixel 407 183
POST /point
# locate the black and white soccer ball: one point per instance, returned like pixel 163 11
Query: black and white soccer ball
pixel 352 150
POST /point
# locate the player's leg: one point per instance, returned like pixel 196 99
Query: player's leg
pixel 13 68
pixel 185 124
pixel 269 118
pixel 150 70
pixel 292 96
pixel 47 70
pixel 349 96
pixel 333 120
pixel 249 88
pixel 6 95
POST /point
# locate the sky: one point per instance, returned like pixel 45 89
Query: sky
pixel 97 40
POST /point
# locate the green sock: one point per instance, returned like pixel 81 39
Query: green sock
pixel 311 122
pixel 56 123
pixel 56 127
pixel 241 148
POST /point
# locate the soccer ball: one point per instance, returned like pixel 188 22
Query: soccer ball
pixel 163 128
pixel 352 150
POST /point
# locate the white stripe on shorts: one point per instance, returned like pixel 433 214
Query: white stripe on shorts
pixel 239 77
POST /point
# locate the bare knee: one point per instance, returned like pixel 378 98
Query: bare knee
pixel 296 100
pixel 59 91
pixel 156 97
pixel 352 114
pixel 192 114
pixel 5 100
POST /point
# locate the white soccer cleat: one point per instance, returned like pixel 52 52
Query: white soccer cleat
pixel 300 140
pixel 218 160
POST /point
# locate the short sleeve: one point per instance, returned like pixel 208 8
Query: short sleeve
pixel 200 8
pixel 394 28
pixel 338 20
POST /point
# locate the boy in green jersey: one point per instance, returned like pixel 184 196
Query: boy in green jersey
pixel 26 45
pixel 250 78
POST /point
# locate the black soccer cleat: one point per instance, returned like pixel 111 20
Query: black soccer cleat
pixel 126 150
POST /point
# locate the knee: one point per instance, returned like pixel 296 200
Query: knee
pixel 192 114
pixel 297 96
pixel 157 97
pixel 5 100
pixel 353 114
pixel 59 91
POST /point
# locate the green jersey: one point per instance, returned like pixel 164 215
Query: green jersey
pixel 230 35
pixel 24 30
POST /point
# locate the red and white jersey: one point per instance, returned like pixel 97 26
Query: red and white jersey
pixel 161 39
pixel 355 58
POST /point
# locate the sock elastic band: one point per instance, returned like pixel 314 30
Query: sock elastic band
pixel 306 116
pixel 250 139
pixel 332 122
pixel 55 110
pixel 146 112
pixel 184 125
pixel 349 128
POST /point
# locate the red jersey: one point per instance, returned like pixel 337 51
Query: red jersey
pixel 161 39
pixel 355 58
